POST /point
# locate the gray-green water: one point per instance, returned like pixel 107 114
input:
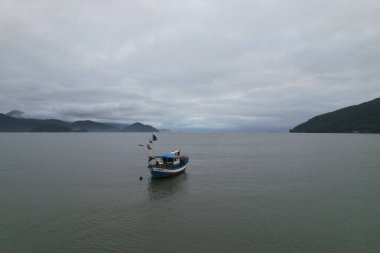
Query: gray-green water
pixel 80 192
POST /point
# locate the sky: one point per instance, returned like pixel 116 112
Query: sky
pixel 221 65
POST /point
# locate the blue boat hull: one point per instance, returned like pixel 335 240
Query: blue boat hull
pixel 166 173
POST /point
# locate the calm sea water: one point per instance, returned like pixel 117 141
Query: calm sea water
pixel 80 192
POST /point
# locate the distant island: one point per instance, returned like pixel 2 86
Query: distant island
pixel 14 122
pixel 362 118
pixel 138 127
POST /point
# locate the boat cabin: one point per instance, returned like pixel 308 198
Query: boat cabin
pixel 171 160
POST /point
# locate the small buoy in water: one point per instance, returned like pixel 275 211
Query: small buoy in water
pixel 141 178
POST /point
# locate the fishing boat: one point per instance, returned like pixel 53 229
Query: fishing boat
pixel 166 165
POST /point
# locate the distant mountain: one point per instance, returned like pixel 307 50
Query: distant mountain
pixel 15 114
pixel 362 118
pixel 117 125
pixel 93 126
pixel 12 124
pixel 138 127
pixel 50 128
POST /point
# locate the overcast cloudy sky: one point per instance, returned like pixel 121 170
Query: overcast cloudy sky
pixel 188 64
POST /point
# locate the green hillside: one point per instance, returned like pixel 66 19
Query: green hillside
pixel 362 118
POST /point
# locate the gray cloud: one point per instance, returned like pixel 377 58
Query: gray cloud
pixel 188 64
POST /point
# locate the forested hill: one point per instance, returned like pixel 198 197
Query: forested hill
pixel 362 118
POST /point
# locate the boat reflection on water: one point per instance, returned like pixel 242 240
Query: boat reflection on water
pixel 160 188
